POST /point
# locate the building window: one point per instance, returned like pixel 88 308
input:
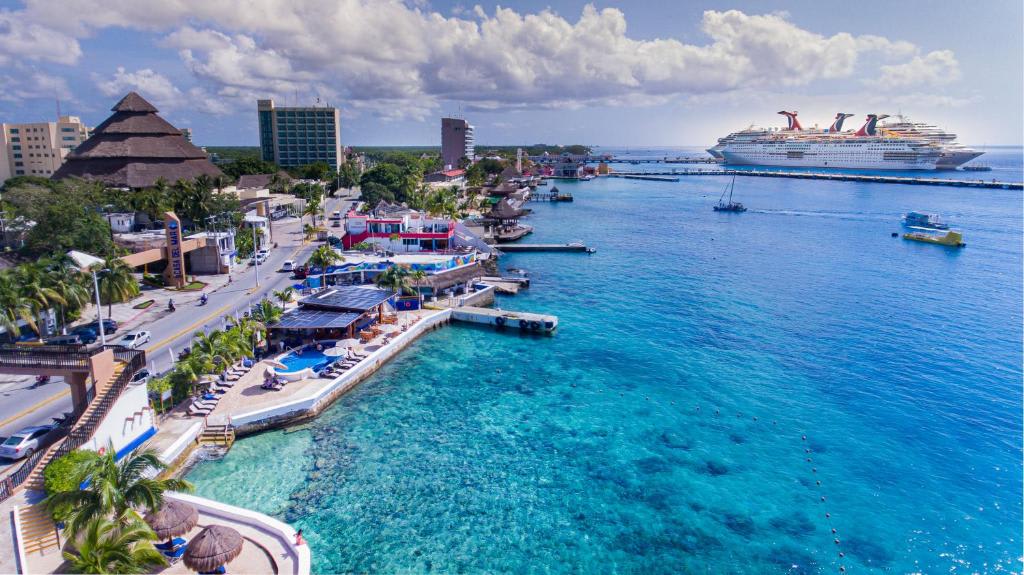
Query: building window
pixel 19 172
pixel 15 138
pixel 17 155
pixel 67 129
pixel 410 242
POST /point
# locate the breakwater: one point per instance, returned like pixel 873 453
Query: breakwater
pixel 909 180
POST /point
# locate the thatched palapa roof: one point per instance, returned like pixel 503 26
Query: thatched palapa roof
pixel 133 148
pixel 173 519
pixel 214 546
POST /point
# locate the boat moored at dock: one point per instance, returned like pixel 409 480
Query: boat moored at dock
pixel 923 220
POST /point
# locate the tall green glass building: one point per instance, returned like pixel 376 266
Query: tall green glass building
pixel 292 137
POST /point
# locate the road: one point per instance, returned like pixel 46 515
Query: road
pixel 24 403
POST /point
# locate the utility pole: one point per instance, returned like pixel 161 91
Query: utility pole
pixel 256 255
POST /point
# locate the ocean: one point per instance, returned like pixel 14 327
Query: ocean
pixel 723 392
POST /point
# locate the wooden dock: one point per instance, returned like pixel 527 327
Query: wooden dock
pixel 542 247
pixel 839 177
pixel 650 178
pixel 511 320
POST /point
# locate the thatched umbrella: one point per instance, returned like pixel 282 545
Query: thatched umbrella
pixel 215 545
pixel 174 518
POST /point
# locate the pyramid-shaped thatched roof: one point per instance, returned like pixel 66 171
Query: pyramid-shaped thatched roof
pixel 135 147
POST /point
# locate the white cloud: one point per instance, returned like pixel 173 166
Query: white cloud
pixel 29 84
pixel 22 39
pixel 399 60
pixel 159 90
pixel 935 69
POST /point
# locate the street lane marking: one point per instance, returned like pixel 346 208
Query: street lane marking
pixel 198 322
pixel 39 405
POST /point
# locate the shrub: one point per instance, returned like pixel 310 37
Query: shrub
pixel 60 476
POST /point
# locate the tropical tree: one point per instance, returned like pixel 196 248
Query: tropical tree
pixel 70 283
pixel 285 295
pixel 114 546
pixel 266 312
pixel 417 276
pixel 395 278
pixel 14 307
pixel 115 489
pixel 117 284
pixel 322 257
pixel 35 289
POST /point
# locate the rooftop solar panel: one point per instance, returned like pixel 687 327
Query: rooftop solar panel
pixel 348 298
pixel 311 319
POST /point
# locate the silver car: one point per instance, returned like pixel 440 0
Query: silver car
pixel 134 339
pixel 25 442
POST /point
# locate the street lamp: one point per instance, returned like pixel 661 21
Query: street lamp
pixel 99 306
pixel 256 254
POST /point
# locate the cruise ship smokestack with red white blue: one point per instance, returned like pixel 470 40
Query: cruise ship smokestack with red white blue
pixel 837 126
pixel 868 129
pixel 794 124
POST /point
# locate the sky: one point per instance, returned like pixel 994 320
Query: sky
pixel 631 73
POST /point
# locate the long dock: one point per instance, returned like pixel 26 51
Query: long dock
pixel 648 177
pixel 908 180
pixel 542 247
pixel 517 320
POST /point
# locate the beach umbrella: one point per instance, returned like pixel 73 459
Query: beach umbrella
pixel 174 518
pixel 335 351
pixel 215 545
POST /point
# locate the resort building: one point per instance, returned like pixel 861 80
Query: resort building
pixel 336 313
pixel 446 178
pixel 38 149
pixel 568 167
pixel 443 272
pixel 292 137
pixel 134 148
pixel 456 142
pixel 404 231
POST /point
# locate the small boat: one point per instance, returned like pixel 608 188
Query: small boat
pixel 923 220
pixel 729 206
pixel 976 168
pixel 951 238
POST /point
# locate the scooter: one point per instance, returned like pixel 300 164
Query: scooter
pixel 170 305
pixel 42 379
pixel 202 299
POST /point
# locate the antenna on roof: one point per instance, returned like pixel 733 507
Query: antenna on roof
pixel 57 98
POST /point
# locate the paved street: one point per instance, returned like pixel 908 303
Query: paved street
pixel 23 403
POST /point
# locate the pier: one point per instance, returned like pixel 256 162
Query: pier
pixel 906 180
pixel 543 247
pixel 650 178
pixel 522 321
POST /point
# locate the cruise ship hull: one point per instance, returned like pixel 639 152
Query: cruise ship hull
pixel 859 162
pixel 953 159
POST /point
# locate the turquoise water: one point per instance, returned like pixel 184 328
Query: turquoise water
pixel 702 359
pixel 299 360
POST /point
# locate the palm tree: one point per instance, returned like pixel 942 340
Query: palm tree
pixel 266 312
pixel 69 282
pixel 418 276
pixel 109 546
pixel 285 295
pixel 34 288
pixel 117 284
pixel 115 489
pixel 395 278
pixel 14 307
pixel 322 257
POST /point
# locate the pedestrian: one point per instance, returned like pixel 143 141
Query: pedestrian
pixel 298 539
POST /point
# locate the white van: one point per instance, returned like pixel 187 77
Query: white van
pixel 288 265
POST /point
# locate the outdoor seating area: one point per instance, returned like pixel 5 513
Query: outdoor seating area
pixel 204 404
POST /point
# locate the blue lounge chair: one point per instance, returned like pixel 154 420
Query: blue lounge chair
pixel 175 555
pixel 169 545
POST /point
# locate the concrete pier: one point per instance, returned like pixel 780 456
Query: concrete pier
pixel 517 320
pixel 542 247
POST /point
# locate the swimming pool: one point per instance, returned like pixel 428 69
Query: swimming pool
pixel 301 359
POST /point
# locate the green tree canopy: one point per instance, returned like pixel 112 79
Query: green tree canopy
pixel 249 165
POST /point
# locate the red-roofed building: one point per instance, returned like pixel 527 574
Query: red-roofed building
pixel 452 177
pixel 409 232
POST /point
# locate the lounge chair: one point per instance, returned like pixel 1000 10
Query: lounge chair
pixel 199 411
pixel 170 545
pixel 222 570
pixel 174 555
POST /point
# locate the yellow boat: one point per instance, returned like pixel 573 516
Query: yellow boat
pixel 951 238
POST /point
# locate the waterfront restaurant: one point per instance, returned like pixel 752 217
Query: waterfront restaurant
pixel 335 313
pixel 406 232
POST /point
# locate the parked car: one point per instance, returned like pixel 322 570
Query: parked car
pixel 336 215
pixel 134 339
pixel 86 334
pixel 259 257
pixel 25 442
pixel 109 326
pixel 288 265
pixel 300 272
pixel 141 376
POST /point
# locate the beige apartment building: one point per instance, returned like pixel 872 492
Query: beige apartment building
pixel 38 149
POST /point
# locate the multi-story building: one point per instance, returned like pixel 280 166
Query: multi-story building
pixel 292 137
pixel 456 141
pixel 38 149
pixel 187 133
pixel 403 231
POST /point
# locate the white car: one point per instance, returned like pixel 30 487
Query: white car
pixel 25 442
pixel 288 265
pixel 134 339
pixel 259 258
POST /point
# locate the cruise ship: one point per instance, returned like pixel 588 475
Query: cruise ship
pixel 953 154
pixel 895 146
